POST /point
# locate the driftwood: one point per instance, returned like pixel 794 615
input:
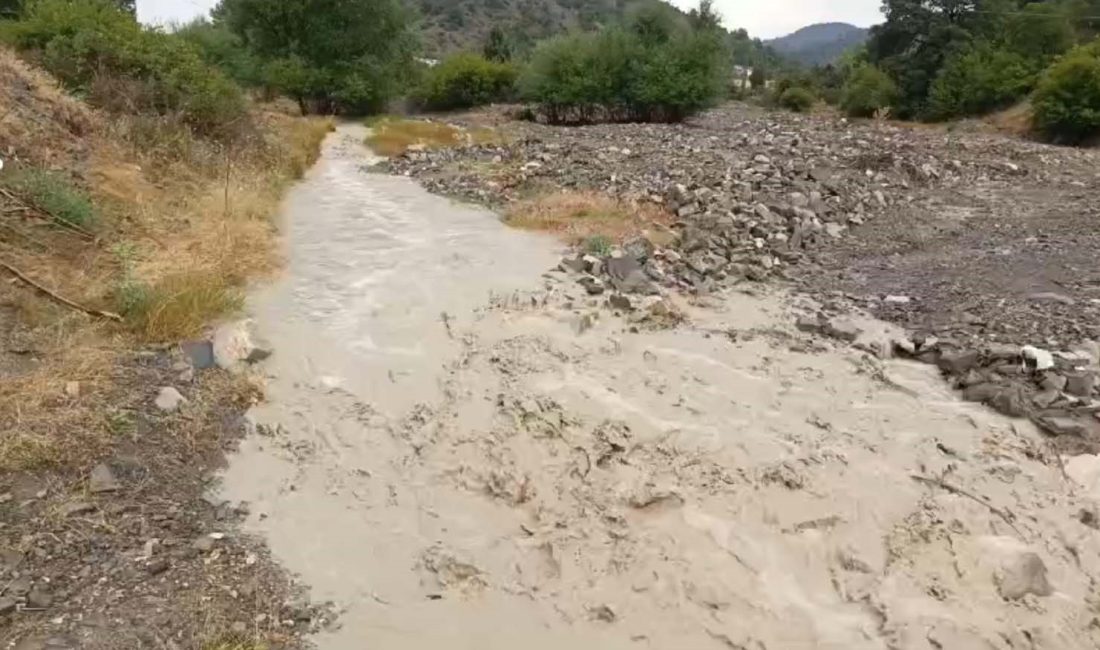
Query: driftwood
pixel 61 299
pixel 1005 515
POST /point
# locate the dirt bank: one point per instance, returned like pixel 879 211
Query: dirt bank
pixel 550 470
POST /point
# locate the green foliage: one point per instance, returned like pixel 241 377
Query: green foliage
pixel 656 67
pixel 758 78
pixel 465 81
pixel 350 55
pixel 224 50
pixel 957 57
pixel 600 245
pixel 1067 100
pixel 867 90
pixel 980 79
pixel 96 49
pixel 52 193
pixel 498 46
pixel 797 98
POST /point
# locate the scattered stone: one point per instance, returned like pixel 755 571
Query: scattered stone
pixel 842 329
pixel 897 300
pixel 621 302
pixel 1053 381
pixel 1048 296
pixel 103 479
pixel 169 399
pixel 204 544
pixel 235 344
pixel 156 566
pixel 982 393
pixel 628 277
pixel 640 248
pixel 593 285
pixel 1063 425
pixel 1010 401
pixel 1036 359
pixel 1024 574
pixel 200 354
pixel 957 362
pixel 77 508
pixel 1080 384
pixel 39 597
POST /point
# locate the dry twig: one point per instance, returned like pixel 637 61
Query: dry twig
pixel 61 299
pixel 954 489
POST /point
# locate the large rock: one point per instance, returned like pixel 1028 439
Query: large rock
pixel 1022 574
pixel 236 344
pixel 103 479
pixel 627 276
pixel 957 362
pixel 169 399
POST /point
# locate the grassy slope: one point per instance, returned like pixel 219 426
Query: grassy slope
pixel 164 240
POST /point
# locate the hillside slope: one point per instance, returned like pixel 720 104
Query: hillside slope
pixel 819 44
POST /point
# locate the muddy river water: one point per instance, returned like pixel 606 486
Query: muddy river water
pixel 445 456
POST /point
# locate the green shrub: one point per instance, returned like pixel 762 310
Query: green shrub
pixel 797 99
pixel 658 67
pixel 867 90
pixel 1067 100
pixel 98 50
pixel 465 81
pixel 757 78
pixel 52 193
pixel 978 80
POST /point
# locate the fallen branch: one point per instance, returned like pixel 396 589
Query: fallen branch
pixel 64 301
pixel 940 483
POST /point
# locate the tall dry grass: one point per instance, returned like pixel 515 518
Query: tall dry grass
pixel 182 224
pixel 580 216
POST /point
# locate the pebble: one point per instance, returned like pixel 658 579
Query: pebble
pixel 169 400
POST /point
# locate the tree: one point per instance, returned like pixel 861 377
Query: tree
pixel 358 53
pixel 10 8
pixel 980 78
pixel 867 91
pixel 757 78
pixel 1067 101
pixel 498 46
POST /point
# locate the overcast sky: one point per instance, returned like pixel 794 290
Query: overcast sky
pixel 762 18
pixel 772 18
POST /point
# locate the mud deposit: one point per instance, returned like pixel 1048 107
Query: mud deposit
pixel 451 461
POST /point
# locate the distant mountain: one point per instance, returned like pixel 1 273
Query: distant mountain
pixel 819 44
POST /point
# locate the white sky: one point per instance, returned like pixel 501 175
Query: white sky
pixel 773 18
pixel 761 19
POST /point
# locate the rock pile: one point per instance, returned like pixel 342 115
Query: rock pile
pixel 750 194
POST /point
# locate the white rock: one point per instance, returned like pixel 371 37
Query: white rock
pixel 1041 359
pixel 898 300
pixel 72 389
pixel 1084 470
pixel 235 344
pixel 169 399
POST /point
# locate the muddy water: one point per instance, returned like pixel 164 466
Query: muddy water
pixel 501 480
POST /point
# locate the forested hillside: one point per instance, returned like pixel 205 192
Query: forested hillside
pixel 819 44
pixel 454 25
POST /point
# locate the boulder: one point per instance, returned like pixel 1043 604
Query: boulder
pixel 957 362
pixel 1022 574
pixel 169 399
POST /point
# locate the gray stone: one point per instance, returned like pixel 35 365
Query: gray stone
pixel 1049 296
pixel 103 479
pixel 981 393
pixel 1061 425
pixel 236 344
pixel 7 605
pixel 628 277
pixel 157 566
pixel 809 324
pixel 77 508
pixel 957 362
pixel 203 544
pixel 1046 398
pixel 640 248
pixel 200 354
pixel 1053 381
pixel 1010 401
pixel 620 301
pixel 1024 574
pixel 1080 384
pixel 574 264
pixel 843 329
pixel 169 399
pixel 39 597
pixel 593 285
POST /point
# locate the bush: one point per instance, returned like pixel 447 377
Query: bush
pixel 52 193
pixel 97 49
pixel 656 68
pixel 757 78
pixel 465 81
pixel 867 90
pixel 978 80
pixel 1067 100
pixel 797 99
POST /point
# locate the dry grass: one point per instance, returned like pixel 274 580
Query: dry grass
pixel 394 136
pixel 173 235
pixel 586 216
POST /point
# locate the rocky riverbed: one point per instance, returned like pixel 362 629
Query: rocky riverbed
pixel 981 246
